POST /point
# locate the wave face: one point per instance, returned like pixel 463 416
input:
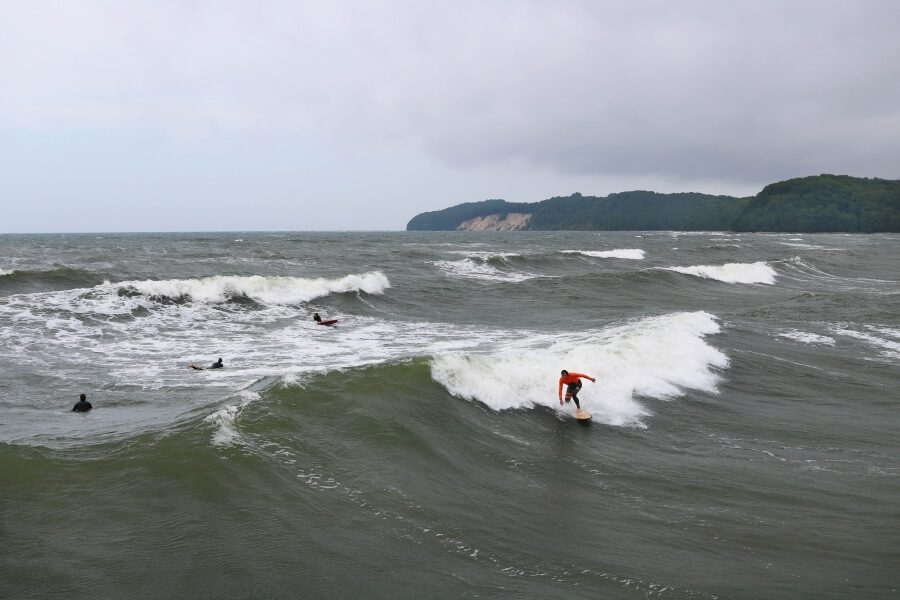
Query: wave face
pixel 740 380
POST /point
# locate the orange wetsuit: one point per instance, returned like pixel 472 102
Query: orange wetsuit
pixel 571 379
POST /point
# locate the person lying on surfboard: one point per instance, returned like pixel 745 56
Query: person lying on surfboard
pixel 319 320
pixel 573 383
pixel 216 365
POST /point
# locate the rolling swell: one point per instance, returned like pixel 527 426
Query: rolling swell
pixel 329 398
pixel 384 446
pixel 51 280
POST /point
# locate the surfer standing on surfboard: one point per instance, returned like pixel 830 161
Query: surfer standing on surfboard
pixel 573 381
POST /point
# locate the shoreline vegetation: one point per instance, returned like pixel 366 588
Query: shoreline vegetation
pixel 816 204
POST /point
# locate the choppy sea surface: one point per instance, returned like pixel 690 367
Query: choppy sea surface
pixel 744 441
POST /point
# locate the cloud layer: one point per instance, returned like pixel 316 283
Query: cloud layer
pixel 742 92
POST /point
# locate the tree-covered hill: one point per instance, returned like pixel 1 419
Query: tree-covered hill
pixel 824 203
pixel 809 204
pixel 636 210
pixel 625 211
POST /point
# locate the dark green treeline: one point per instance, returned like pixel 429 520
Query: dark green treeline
pixel 822 203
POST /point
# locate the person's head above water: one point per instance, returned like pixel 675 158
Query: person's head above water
pixel 83 397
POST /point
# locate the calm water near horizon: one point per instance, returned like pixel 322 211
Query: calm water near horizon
pixel 744 441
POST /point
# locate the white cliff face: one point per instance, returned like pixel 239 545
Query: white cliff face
pixel 512 222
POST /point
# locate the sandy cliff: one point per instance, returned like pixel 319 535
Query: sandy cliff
pixel 512 222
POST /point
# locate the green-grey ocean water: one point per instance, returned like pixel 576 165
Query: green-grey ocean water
pixel 744 440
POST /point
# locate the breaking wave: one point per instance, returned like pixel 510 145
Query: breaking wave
pixel 656 357
pixel 269 290
pixel 758 272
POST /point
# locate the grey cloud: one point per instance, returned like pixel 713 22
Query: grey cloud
pixel 738 91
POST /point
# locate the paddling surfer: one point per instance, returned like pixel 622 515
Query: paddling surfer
pixel 216 365
pixel 573 386
pixel 317 318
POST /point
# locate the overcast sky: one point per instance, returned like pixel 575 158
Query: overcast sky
pixel 335 115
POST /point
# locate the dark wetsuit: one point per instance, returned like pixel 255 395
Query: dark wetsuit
pixel 317 318
pixel 572 391
pixel 572 381
pixel 216 365
pixel 82 406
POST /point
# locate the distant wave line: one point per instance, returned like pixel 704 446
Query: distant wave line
pixel 626 253
pixel 270 290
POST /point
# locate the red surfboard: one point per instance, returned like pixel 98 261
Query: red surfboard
pixel 331 322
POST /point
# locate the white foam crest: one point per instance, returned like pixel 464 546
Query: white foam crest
pixel 657 357
pixel 484 255
pixel 699 233
pixel 807 338
pixel 802 245
pixel 226 433
pixel 891 348
pixel 888 331
pixel 476 269
pixel 269 290
pixel 627 253
pixel 758 272
pixel 6 272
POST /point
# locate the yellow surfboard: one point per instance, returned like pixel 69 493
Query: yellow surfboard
pixel 582 414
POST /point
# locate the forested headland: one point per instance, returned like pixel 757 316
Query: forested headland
pixel 822 203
